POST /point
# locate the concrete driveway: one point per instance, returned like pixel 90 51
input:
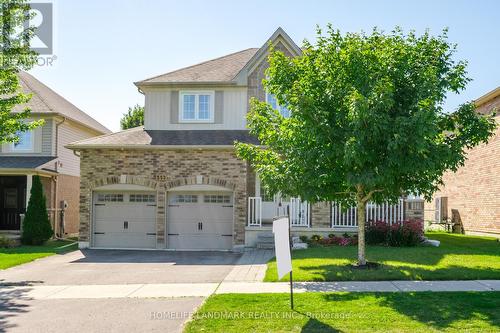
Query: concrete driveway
pixel 106 270
pixel 106 267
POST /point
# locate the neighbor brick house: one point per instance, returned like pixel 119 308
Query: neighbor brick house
pixel 473 192
pixel 176 182
pixel 41 152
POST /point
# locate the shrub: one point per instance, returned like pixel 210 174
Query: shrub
pixel 331 235
pixel 36 226
pixel 406 233
pixel 376 232
pixel 303 239
pixel 316 238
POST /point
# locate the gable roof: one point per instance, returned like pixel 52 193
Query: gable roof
pixel 227 69
pixel 487 97
pixel 46 101
pixel 222 69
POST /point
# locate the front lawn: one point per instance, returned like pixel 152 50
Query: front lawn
pixel 26 253
pixel 350 312
pixel 458 257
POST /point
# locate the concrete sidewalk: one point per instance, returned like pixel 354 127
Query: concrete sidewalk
pixel 173 290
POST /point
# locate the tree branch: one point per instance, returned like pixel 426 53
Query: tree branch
pixel 369 195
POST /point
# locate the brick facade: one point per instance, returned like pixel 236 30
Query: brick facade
pixel 474 190
pixel 162 170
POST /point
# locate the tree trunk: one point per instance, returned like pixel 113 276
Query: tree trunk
pixel 361 207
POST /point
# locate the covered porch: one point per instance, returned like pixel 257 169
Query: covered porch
pixel 16 178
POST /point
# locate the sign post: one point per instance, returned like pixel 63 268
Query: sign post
pixel 283 248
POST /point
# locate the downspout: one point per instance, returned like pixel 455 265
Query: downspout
pixel 55 205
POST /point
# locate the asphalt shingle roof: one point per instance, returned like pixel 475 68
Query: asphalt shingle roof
pixel 45 100
pixel 139 137
pixel 24 162
pixel 223 69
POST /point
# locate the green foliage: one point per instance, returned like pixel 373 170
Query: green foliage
pixel 367 118
pixel 458 257
pixel 36 226
pixel 133 118
pixel 16 55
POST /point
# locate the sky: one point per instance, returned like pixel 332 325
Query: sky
pixel 103 46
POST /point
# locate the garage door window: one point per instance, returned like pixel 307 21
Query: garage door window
pixel 215 198
pixel 110 197
pixel 142 198
pixel 185 198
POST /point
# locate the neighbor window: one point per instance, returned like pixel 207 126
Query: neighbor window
pixel 25 142
pixel 271 99
pixel 197 106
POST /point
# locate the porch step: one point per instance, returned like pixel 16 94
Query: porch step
pixel 15 236
pixel 265 241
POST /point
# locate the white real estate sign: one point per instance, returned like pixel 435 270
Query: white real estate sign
pixel 282 246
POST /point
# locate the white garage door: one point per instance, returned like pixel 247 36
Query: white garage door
pixel 124 220
pixel 200 220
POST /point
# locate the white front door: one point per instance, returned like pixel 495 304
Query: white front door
pixel 200 220
pixel 124 220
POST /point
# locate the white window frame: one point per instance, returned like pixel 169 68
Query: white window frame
pixel 196 119
pixel 278 105
pixel 31 148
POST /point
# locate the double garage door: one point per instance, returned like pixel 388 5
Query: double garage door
pixel 195 220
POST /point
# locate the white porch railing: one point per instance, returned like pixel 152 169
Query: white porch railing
pixel 254 211
pixel 342 217
pixel 299 213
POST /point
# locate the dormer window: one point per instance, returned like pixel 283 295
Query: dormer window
pixel 25 143
pixel 271 99
pixel 196 107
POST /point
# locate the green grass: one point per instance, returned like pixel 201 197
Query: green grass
pixel 22 254
pixel 458 257
pixel 350 312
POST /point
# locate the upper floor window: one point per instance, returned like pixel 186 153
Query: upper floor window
pixel 283 110
pixel 197 106
pixel 25 143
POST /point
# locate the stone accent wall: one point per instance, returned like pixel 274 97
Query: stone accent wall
pixel 321 215
pixel 474 190
pixel 163 170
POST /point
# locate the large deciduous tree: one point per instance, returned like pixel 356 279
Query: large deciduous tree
pixel 367 119
pixel 133 118
pixel 15 56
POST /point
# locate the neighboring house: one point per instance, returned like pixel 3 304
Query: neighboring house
pixel 176 183
pixel 41 152
pixel 472 193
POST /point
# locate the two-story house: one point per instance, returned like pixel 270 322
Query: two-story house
pixel 176 183
pixel 41 152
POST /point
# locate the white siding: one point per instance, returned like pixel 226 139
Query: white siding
pixel 157 111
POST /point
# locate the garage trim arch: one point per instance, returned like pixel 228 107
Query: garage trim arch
pixel 131 183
